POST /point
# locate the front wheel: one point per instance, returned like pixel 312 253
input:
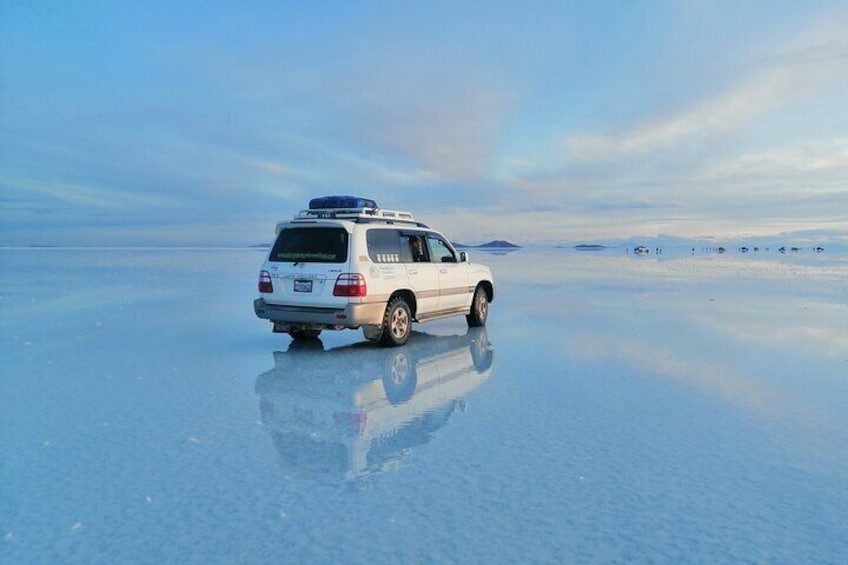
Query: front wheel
pixel 397 323
pixel 479 309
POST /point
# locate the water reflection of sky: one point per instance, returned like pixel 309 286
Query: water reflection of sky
pixel 675 410
pixel 763 335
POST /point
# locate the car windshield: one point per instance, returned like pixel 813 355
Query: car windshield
pixel 310 245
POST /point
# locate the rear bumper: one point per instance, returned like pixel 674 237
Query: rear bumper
pixel 351 316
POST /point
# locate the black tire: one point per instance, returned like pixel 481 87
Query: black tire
pixel 397 323
pixel 304 334
pixel 399 378
pixel 479 309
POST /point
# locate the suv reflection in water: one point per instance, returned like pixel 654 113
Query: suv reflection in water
pixel 357 410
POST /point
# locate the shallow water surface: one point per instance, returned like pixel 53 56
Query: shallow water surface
pixel 616 408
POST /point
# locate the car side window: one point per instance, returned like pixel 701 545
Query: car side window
pixel 414 248
pixel 384 246
pixel 441 252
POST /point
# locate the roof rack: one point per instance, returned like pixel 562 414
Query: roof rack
pixel 358 214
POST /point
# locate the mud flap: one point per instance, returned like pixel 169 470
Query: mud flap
pixel 372 332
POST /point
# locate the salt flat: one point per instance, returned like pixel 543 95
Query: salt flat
pixel 669 408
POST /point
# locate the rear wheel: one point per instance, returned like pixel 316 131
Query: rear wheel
pixel 304 334
pixel 479 309
pixel 397 323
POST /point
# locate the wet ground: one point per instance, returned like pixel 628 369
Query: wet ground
pixel 662 408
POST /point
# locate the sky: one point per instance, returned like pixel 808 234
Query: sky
pixel 198 123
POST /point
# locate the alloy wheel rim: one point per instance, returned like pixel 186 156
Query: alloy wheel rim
pixel 400 322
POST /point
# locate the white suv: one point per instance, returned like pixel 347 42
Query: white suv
pixel 346 264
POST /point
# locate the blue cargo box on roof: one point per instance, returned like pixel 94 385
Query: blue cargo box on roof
pixel 336 202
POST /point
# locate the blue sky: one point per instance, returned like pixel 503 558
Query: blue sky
pixel 204 123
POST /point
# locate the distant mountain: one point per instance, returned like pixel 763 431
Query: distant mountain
pixel 500 244
pixel 590 247
pixel 495 244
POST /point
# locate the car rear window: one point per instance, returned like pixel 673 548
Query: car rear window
pixel 310 245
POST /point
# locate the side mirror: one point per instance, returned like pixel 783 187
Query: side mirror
pixel 463 257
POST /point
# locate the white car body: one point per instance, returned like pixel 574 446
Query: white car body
pixel 338 269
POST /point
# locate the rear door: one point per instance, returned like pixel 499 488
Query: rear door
pixel 305 262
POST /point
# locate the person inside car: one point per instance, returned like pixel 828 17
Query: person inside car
pixel 416 244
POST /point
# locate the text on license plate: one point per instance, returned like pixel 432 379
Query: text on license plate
pixel 302 285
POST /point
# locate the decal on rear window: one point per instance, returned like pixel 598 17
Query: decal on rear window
pixel 310 245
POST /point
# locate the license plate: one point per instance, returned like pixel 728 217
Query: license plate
pixel 302 286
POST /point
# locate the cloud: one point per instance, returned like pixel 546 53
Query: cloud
pixel 87 196
pixel 765 155
pixel 606 206
pixel 450 131
pixel 785 167
pixel 815 60
pixel 384 109
pixel 270 167
pixel 434 118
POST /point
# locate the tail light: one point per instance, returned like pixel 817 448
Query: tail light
pixel 265 284
pixel 350 284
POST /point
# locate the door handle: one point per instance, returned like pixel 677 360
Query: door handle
pixel 443 271
pixel 413 271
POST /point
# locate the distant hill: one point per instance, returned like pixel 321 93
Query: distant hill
pixel 495 244
pixel 500 244
pixel 590 247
